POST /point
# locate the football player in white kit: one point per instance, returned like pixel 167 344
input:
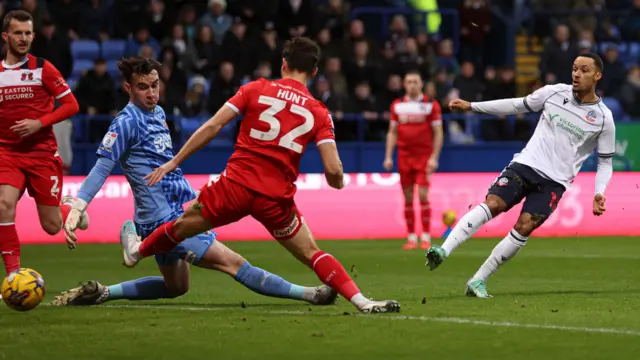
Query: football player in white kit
pixel 574 122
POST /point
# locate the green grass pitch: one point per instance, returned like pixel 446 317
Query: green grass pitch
pixel 563 298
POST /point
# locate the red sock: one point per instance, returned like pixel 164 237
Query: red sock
pixel 64 210
pixel 330 272
pixel 10 247
pixel 425 210
pixel 409 217
pixel 162 240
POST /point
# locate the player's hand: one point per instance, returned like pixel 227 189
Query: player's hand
pixel 432 165
pixel 73 220
pixel 388 164
pixel 460 105
pixel 158 173
pixel 599 204
pixel 26 127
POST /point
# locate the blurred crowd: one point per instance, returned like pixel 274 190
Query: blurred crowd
pixel 209 48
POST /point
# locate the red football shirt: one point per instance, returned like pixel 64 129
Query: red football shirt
pixel 280 119
pixel 414 119
pixel 27 91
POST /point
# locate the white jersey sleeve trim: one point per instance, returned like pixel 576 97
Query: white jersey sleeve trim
pixel 436 122
pixel 325 141
pixel 233 107
pixel 64 94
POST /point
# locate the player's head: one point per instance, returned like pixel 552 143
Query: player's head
pixel 413 83
pixel 142 81
pixel 300 56
pixel 17 32
pixel 587 71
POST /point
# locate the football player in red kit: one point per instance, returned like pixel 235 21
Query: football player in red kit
pixel 280 119
pixel 416 127
pixel 29 157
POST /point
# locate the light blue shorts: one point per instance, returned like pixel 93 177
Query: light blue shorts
pixel 191 250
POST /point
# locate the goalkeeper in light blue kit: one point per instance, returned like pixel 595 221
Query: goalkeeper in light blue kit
pixel 139 139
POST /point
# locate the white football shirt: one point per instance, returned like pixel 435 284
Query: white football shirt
pixel 567 133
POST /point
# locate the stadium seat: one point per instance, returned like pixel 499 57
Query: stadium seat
pixel 80 66
pixel 615 107
pixel 85 49
pixel 113 49
pixel 112 68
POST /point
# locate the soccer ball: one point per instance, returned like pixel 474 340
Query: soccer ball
pixel 449 217
pixel 23 289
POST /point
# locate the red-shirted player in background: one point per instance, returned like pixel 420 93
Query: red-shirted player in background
pixel 28 150
pixel 280 119
pixel 416 127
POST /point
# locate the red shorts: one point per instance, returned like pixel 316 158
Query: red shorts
pixel 413 170
pixel 225 202
pixel 41 176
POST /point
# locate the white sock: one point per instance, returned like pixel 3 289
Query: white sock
pixel 412 238
pixel 466 227
pixel 505 250
pixel 359 300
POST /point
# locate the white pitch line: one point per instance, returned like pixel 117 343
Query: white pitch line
pixel 449 320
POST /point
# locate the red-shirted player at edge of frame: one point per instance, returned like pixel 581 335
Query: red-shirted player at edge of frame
pixel 29 158
pixel 280 119
pixel 416 127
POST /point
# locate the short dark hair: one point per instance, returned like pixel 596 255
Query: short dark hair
pixel 137 65
pixel 302 54
pixel 596 59
pixel 18 15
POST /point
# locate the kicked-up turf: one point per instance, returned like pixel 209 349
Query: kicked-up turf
pixel 563 298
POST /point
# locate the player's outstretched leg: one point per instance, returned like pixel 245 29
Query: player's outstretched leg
pixel 303 246
pixel 464 230
pixel 94 293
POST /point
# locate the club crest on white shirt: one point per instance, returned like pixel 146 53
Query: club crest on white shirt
pixel 591 116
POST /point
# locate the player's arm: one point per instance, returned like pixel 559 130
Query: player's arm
pixel 55 85
pixel 392 139
pixel 325 140
pixel 533 102
pixel 604 173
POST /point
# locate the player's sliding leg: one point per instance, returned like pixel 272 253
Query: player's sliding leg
pixel 9 242
pixel 465 229
pixel 303 246
pixel 409 217
pixel 425 216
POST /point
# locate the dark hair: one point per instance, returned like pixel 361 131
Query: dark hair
pixel 596 59
pixel 302 54
pixel 137 65
pixel 19 15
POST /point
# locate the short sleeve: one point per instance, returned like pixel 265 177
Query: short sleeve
pixel 53 81
pixel 393 115
pixel 120 137
pixel 239 101
pixel 326 131
pixel 436 114
pixel 607 139
pixel 534 102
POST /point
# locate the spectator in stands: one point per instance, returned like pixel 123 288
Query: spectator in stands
pixel 583 21
pixel 216 19
pixel 629 95
pixel 172 74
pixel 67 16
pixel 558 56
pixel 411 59
pixel 361 67
pixel 426 50
pixel 467 84
pixel 631 26
pixel 96 21
pixel 443 87
pixel 223 87
pixel 389 63
pixel 39 12
pixel 584 47
pixel 399 33
pixel 322 91
pixel 446 59
pixel 502 86
pixel 363 102
pixel 142 37
pixel 54 47
pixel 270 47
pixel 294 18
pixel 158 21
pixel 207 52
pixel 334 16
pixel 254 13
pixel 615 71
pixel 475 25
pixel 96 90
pixel 195 102
pixel 392 91
pixel 238 49
pixel 263 70
pixel 183 45
pixel 333 72
pixel 129 14
pixel 328 47
pixel 356 33
pixel 146 51
pixel 187 18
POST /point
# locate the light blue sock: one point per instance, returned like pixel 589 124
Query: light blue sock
pixel 146 288
pixel 266 283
